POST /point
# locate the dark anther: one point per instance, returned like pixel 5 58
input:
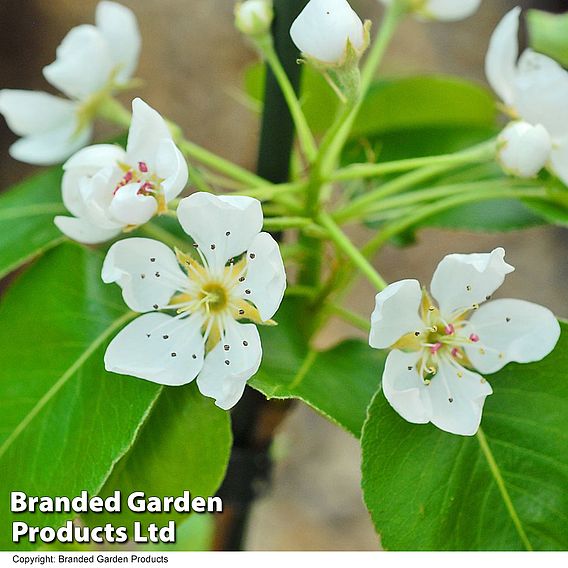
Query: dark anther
pixel 174 354
pixel 226 347
pixel 195 245
pixel 212 247
pixel 142 276
pixel 417 333
pixel 451 400
pixel 410 368
pixel 241 312
pixel 245 343
pixel 228 234
pixel 507 320
pixel 157 274
pixel 242 279
pixel 252 255
pixel 152 259
pixel 166 336
pixel 194 356
pixel 247 291
pixel 155 306
pixel 227 362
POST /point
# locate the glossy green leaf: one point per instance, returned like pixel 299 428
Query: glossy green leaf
pixel 184 445
pixel 393 104
pixel 64 421
pixel 429 490
pixel 549 34
pixel 338 383
pixel 26 217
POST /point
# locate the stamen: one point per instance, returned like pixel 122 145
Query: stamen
pixel 474 338
pixel 449 329
pixel 436 347
pixel 143 167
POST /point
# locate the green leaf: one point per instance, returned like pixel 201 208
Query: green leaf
pixel 64 421
pixel 502 490
pixel 26 215
pixel 184 445
pixel 549 34
pixel 338 383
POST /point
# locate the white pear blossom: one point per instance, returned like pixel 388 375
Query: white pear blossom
pixel 443 10
pixel 91 61
pixel 254 17
pixel 534 88
pixel 440 342
pixel 109 190
pixel 326 29
pixel 523 149
pixel 239 278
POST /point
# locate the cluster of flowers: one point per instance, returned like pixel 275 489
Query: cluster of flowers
pixel 234 276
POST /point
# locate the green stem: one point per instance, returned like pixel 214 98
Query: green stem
pixel 436 193
pixel 503 488
pixel 404 182
pixel 305 136
pixel 394 15
pixel 351 251
pixel 282 223
pixel 402 225
pixel 360 171
pixel 350 317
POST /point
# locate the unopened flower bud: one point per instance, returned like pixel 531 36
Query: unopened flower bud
pixel 523 149
pixel 326 31
pixel 254 17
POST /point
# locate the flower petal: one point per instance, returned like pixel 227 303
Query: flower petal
pixel 511 330
pixel 83 231
pixel 158 348
pixel 501 59
pixel 404 389
pixel 542 91
pixel 226 371
pixel 462 281
pixel 323 29
pixel 396 313
pixel 83 63
pixel 119 27
pixel 450 10
pixel 265 280
pixel 172 168
pixel 457 397
pixel 223 227
pixel 147 130
pixel 51 147
pixel 132 208
pixel 86 163
pixel 35 112
pixel 524 149
pixel 146 270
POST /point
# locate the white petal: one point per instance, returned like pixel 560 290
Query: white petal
pixel 97 193
pixel 119 27
pixel 511 330
pixel 147 130
pixel 172 168
pixel 501 59
pixel 222 226
pixel 86 163
pixel 158 348
pixel 146 270
pixel 464 280
pixel 35 112
pixel 51 147
pixel 226 372
pixel 524 149
pixel 404 389
pixel 323 29
pixel 559 159
pixel 131 208
pixel 450 10
pixel 83 63
pixel 542 92
pixel 265 281
pixel 254 17
pixel 396 313
pixel 457 397
pixel 83 231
